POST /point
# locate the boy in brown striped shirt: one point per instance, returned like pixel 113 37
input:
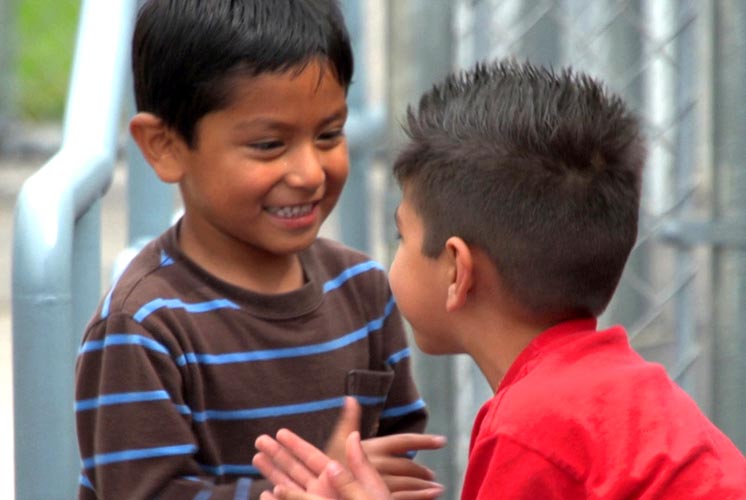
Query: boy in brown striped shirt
pixel 239 320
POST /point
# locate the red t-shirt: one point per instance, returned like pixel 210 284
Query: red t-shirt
pixel 580 415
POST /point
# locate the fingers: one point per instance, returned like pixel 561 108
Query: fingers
pixel 407 489
pixel 426 494
pixel 348 422
pixel 406 479
pixel 301 451
pixel 281 466
pixel 397 466
pixel 349 418
pixel 267 495
pixel 284 493
pixel 349 487
pixel 271 471
pixel 359 464
pixel 400 444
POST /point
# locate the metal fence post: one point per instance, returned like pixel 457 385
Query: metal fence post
pixel 56 255
pixel 364 130
pixel 150 202
pixel 729 184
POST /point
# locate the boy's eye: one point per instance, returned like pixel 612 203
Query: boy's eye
pixel 266 145
pixel 331 135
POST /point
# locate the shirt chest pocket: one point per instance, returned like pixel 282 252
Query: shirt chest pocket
pixel 370 388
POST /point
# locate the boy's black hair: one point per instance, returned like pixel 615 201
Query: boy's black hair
pixel 187 53
pixel 541 170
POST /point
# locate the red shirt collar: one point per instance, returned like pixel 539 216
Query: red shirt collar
pixel 554 335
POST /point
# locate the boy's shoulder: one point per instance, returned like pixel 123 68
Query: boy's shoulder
pixel 153 272
pixel 600 409
pixel 579 378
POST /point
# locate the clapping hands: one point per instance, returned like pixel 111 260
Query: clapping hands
pixel 372 469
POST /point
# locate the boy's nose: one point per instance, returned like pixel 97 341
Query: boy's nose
pixel 305 169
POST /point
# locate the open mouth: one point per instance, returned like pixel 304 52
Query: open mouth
pixel 291 212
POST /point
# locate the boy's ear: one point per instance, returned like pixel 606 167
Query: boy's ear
pixel 159 144
pixel 461 272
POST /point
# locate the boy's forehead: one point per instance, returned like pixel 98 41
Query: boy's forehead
pixel 404 211
pixel 315 68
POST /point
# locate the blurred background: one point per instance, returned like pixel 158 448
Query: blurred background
pixel 67 227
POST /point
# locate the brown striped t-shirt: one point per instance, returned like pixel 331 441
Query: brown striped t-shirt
pixel 179 372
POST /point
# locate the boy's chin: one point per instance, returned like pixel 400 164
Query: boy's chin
pixel 293 245
pixel 432 347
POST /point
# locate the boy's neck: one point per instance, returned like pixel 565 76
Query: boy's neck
pixel 496 340
pixel 493 326
pixel 260 272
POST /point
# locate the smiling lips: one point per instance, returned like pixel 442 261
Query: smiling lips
pixel 291 212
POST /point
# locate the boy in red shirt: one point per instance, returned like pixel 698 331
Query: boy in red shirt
pixel 521 191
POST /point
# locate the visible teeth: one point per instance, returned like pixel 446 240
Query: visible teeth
pixel 290 212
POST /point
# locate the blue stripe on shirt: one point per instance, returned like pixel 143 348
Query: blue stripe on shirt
pixel 123 339
pixel 166 259
pixel 286 352
pixel 242 489
pixel 282 410
pixel 120 398
pixel 351 272
pixel 193 307
pixel 235 469
pixel 203 495
pixel 107 300
pixel 268 412
pixel 398 411
pixel 107 304
pixel 200 307
pixel 84 481
pixel 398 356
pixel 138 454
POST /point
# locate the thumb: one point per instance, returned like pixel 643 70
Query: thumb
pixel 348 422
pixel 349 418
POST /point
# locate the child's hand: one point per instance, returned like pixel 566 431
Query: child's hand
pixel 348 422
pixel 361 482
pixel 405 478
pixel 295 465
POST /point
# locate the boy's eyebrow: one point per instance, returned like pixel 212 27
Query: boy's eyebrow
pixel 341 114
pixel 268 122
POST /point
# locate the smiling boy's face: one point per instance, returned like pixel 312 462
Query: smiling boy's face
pixel 267 170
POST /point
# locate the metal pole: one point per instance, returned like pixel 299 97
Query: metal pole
pixel 364 132
pixel 690 320
pixel 150 202
pixel 729 183
pixel 56 256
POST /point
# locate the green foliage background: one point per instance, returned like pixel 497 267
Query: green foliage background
pixel 46 32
